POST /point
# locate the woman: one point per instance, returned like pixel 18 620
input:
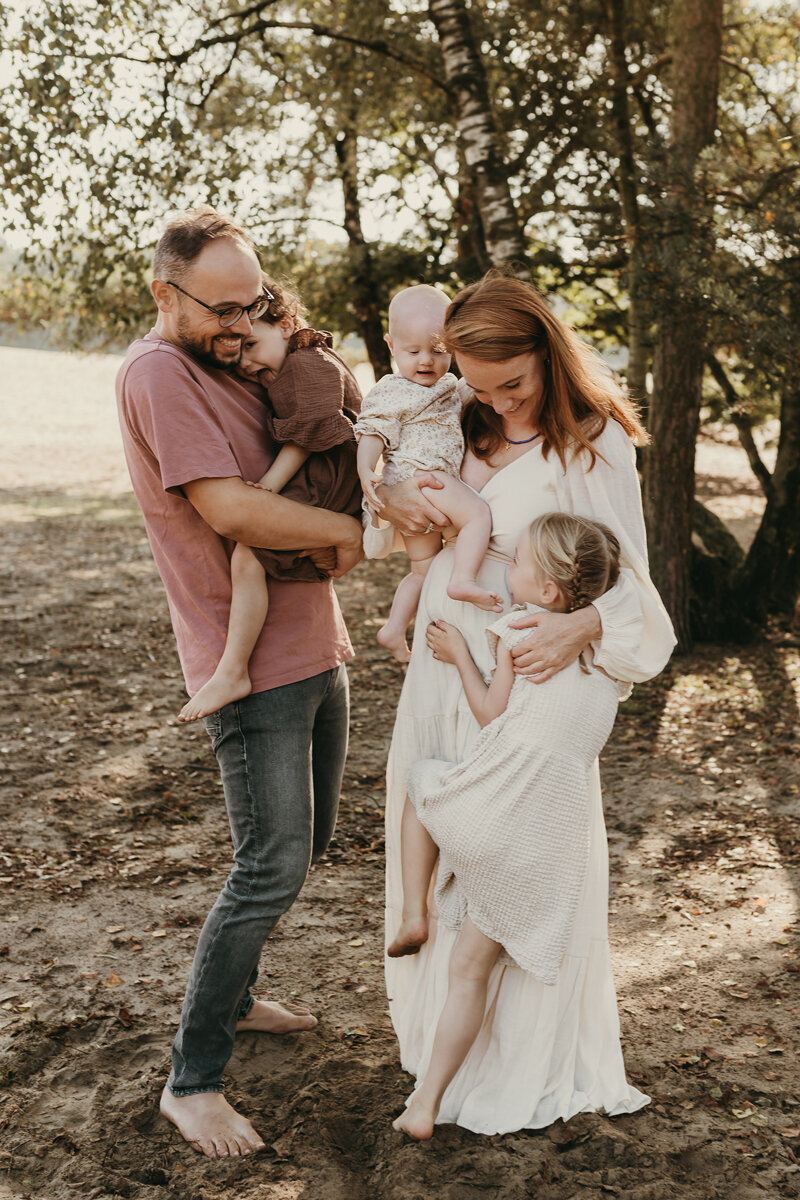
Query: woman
pixel 546 428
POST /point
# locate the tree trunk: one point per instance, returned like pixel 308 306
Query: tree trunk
pixel 638 350
pixel 480 141
pixel 366 298
pixel 684 247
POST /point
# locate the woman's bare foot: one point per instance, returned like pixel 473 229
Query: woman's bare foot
pixel 417 1121
pixel 222 688
pixel 266 1016
pixel 210 1125
pixel 472 593
pixel 395 640
pixel 410 937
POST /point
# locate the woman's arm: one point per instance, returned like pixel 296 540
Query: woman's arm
pixel 288 462
pixel 557 640
pixel 487 702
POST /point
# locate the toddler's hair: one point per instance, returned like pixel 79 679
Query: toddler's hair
pixel 287 303
pixel 580 556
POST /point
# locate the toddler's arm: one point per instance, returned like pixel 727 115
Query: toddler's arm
pixel 288 462
pixel 370 448
pixel 487 702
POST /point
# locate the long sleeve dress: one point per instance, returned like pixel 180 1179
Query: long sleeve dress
pixel 545 1050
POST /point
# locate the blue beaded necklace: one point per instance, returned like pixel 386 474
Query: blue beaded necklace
pixel 523 442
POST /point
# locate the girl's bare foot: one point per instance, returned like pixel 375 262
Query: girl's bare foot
pixel 395 640
pixel 210 1125
pixel 472 593
pixel 417 1121
pixel 410 937
pixel 266 1016
pixel 222 688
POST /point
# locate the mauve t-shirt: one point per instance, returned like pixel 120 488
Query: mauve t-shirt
pixel 182 421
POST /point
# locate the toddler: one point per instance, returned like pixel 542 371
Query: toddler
pixel 413 419
pixel 510 823
pixel 311 405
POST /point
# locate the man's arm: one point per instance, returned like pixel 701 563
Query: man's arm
pixel 259 518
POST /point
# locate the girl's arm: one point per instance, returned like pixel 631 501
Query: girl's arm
pixel 370 448
pixel 288 462
pixel 487 702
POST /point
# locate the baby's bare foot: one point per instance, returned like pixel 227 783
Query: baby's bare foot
pixel 210 1125
pixel 471 592
pixel 417 1121
pixel 410 937
pixel 395 640
pixel 222 688
pixel 266 1016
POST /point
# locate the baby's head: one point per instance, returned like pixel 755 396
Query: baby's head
pixel 264 351
pixel 416 320
pixel 564 562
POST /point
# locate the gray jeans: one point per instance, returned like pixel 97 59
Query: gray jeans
pixel 281 755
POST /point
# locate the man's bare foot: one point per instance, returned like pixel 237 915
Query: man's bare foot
pixel 222 688
pixel 210 1125
pixel 395 640
pixel 266 1016
pixel 417 1121
pixel 410 937
pixel 472 593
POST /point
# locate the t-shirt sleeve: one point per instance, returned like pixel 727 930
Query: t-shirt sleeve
pixel 307 398
pixel 168 411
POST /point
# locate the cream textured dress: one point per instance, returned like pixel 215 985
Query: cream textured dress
pixel 545 1050
pixel 513 819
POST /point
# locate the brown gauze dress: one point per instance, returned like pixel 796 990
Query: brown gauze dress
pixel 314 401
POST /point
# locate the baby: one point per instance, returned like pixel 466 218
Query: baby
pixel 312 403
pixel 413 419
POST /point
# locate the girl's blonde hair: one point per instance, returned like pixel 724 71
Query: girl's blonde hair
pixel 501 317
pixel 287 303
pixel 580 556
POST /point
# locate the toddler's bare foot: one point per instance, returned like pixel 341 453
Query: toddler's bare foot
pixel 417 1121
pixel 395 640
pixel 222 688
pixel 266 1016
pixel 410 937
pixel 472 593
pixel 210 1125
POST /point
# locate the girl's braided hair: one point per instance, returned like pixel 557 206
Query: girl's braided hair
pixel 580 556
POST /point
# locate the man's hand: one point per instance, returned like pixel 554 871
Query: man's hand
pixel 556 641
pixel 405 506
pixel 349 552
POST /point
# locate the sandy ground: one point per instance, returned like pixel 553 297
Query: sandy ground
pixel 114 844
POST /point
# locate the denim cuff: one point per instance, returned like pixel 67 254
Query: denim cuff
pixel 179 1093
pixel 245 1006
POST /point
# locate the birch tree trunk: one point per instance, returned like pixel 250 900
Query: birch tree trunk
pixel 679 307
pixel 480 140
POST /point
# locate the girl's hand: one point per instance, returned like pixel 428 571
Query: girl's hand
pixel 369 479
pixel 446 642
pixel 262 487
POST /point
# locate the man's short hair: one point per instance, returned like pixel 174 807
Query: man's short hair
pixel 186 236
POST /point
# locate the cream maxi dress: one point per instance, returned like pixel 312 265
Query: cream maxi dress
pixel 545 1050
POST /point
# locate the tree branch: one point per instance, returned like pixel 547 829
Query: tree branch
pixel 743 423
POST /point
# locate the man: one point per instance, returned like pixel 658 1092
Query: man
pixel 193 433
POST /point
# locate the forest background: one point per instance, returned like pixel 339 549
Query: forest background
pixel 638 161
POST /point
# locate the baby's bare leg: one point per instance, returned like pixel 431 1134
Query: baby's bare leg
pixel 422 548
pixel 472 517
pixel 471 963
pixel 249 605
pixel 419 853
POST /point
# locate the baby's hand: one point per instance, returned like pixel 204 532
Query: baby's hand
pixel 445 641
pixel 369 481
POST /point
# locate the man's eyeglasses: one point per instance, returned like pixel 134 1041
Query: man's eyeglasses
pixel 230 315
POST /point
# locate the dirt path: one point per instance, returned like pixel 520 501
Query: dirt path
pixel 115 843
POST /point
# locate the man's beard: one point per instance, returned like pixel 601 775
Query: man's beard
pixel 203 349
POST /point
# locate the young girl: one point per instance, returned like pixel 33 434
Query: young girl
pixel 413 420
pixel 312 403
pixel 514 815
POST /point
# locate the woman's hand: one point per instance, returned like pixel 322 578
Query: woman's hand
pixel 405 507
pixel 556 641
pixel 445 642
